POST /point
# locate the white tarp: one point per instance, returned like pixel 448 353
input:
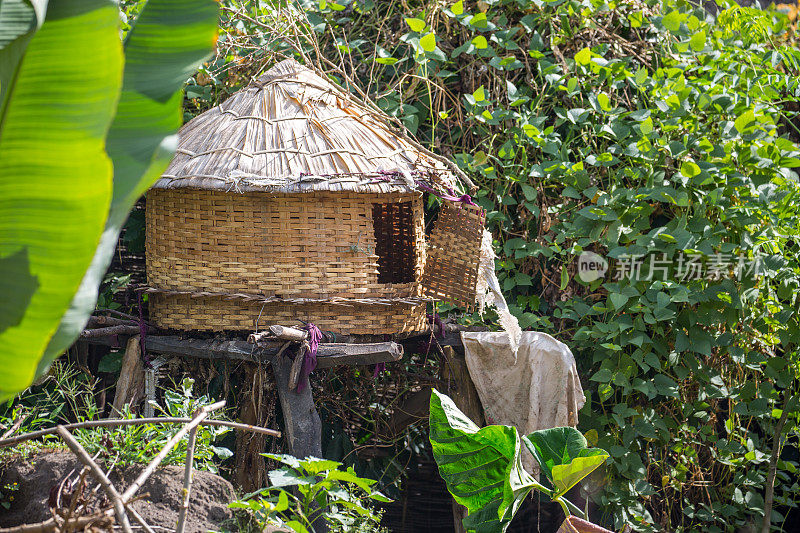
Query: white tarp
pixel 537 389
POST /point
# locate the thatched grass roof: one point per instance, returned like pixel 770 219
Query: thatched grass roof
pixel 294 131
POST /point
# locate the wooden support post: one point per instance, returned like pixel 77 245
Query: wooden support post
pixel 303 428
pixel 465 396
pixel 251 471
pixel 302 425
pixel 130 385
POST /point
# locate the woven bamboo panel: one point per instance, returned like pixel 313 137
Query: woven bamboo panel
pixel 313 245
pixel 216 314
pixel 451 269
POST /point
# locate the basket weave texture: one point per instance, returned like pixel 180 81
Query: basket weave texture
pixel 451 271
pixel 321 246
pixel 217 314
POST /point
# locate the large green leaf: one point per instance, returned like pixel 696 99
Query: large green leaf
pixel 482 467
pixel 566 476
pixel 564 456
pixel 55 176
pixel 19 20
pixel 554 446
pixel 169 41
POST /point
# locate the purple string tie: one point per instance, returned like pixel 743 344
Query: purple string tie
pixel 310 357
pixel 464 198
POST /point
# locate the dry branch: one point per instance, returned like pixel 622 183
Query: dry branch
pixel 111 330
pixel 111 422
pixel 187 482
pixel 108 487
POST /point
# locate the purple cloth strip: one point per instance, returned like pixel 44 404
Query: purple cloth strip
pixel 387 176
pixel 380 367
pixel 464 198
pixel 436 322
pixel 310 357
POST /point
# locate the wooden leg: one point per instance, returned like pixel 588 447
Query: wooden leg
pixel 303 426
pixel 130 385
pixel 251 472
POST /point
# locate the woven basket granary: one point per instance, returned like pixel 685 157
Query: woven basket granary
pixel 290 201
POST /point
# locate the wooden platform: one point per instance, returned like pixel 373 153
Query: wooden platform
pixel 328 355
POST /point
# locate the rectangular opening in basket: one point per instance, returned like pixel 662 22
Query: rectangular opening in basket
pixel 393 224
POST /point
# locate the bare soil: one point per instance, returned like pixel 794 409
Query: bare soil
pixel 40 476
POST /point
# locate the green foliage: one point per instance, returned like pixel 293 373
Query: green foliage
pixel 636 128
pixel 322 491
pixel 68 113
pixel 140 443
pixel 564 456
pixel 483 467
pixel 66 395
pixel 7 494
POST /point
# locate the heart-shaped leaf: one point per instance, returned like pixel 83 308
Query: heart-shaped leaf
pixel 566 476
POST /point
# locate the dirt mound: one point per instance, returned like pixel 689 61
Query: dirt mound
pixel 39 476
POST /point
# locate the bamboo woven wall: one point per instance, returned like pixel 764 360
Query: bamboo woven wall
pixel 214 313
pixel 313 245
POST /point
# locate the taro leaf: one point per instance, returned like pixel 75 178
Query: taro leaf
pixel 482 467
pixel 169 40
pixel 55 176
pixel 566 476
pixel 556 450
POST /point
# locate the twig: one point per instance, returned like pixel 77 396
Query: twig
pixel 111 422
pixel 15 426
pixel 73 501
pixel 773 466
pixel 109 331
pixel 141 521
pixel 116 498
pixel 171 443
pixel 103 320
pixel 50 525
pixel 187 481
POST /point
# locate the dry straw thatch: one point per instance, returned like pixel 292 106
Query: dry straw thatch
pixel 292 131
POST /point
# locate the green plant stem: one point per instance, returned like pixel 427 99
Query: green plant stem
pixel 574 508
pixel 563 506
